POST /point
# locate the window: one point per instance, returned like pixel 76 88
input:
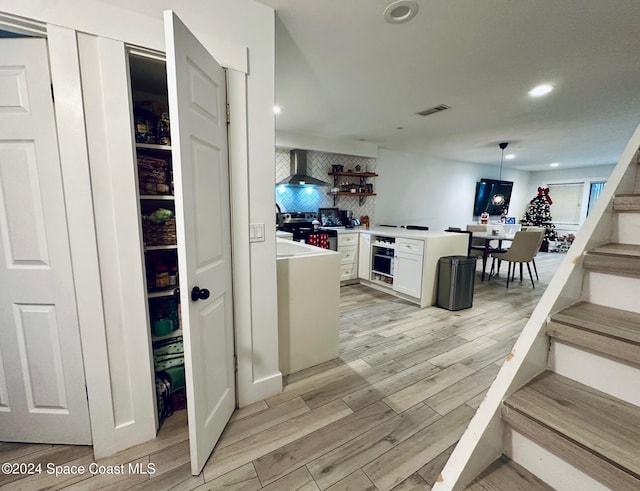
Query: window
pixel 567 202
pixel 594 193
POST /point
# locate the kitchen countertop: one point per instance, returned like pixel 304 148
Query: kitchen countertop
pixel 395 232
pixel 408 234
pixel 282 234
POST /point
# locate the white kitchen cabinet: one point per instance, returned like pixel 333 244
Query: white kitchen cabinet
pixel 348 248
pixel 364 256
pixel 408 266
pixel 405 263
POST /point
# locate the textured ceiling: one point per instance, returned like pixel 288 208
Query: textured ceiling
pixel 343 72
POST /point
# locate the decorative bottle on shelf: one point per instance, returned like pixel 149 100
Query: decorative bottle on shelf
pixel 173 276
pixel 162 276
pixel 164 131
pixel 141 125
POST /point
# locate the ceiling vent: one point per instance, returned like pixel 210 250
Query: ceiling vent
pixel 434 109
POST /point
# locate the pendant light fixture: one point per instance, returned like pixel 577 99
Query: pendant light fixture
pixel 499 199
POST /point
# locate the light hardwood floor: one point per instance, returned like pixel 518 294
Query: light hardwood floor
pixel 385 415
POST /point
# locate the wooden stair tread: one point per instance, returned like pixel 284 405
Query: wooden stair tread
pixel 615 249
pixel 504 474
pixel 626 202
pixel 602 425
pixel 606 321
pixel 614 258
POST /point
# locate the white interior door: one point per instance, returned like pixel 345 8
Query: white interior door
pixel 42 385
pixel 197 107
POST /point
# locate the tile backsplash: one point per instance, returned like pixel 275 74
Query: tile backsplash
pixel 319 165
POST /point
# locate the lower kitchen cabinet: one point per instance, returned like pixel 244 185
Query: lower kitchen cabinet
pixel 364 256
pixel 348 248
pixel 408 267
pixel 405 263
pixel 408 274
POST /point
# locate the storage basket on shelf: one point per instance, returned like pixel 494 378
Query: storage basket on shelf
pixel 153 175
pixel 159 234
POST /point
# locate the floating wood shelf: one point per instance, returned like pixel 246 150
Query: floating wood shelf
pixel 354 174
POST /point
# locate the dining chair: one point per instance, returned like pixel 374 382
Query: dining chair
pixel 524 247
pixel 537 229
pixel 478 246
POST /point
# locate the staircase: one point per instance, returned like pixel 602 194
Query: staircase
pixel 564 412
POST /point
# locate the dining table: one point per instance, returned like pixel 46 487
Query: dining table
pixel 489 237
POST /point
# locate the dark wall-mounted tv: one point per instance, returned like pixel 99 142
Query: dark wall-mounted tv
pixel 485 189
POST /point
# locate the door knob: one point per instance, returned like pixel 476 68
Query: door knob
pixel 198 294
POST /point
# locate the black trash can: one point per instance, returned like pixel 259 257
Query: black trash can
pixel 456 278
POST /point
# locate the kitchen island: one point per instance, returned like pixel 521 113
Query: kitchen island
pixel 308 302
pixel 405 262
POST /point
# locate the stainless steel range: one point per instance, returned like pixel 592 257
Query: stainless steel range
pixel 300 224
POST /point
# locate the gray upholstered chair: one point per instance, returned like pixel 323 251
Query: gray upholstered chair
pixel 537 229
pixel 478 246
pixel 523 249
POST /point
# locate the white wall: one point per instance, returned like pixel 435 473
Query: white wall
pixel 414 189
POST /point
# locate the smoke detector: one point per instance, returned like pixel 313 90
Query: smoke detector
pixel 400 11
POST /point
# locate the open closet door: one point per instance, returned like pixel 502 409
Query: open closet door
pixel 197 107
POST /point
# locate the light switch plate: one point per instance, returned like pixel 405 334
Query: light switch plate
pixel 256 232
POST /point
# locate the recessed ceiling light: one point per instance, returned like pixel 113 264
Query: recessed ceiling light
pixel 554 164
pixel 541 90
pixel 510 156
pixel 400 11
pixel 277 109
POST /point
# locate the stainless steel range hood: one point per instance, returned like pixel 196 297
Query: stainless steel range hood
pixel 299 176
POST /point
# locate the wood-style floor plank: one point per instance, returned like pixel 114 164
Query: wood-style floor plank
pixel 244 451
pixel 387 349
pixel 413 483
pixel 177 479
pixel 392 467
pixel 251 425
pixel 243 478
pixel 330 392
pixel 299 480
pixel 431 470
pixel 418 392
pixel 379 390
pixel 505 474
pixel 454 396
pixel 357 481
pixel 280 462
pixel 341 462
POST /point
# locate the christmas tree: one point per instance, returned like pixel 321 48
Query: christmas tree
pixel 538 214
